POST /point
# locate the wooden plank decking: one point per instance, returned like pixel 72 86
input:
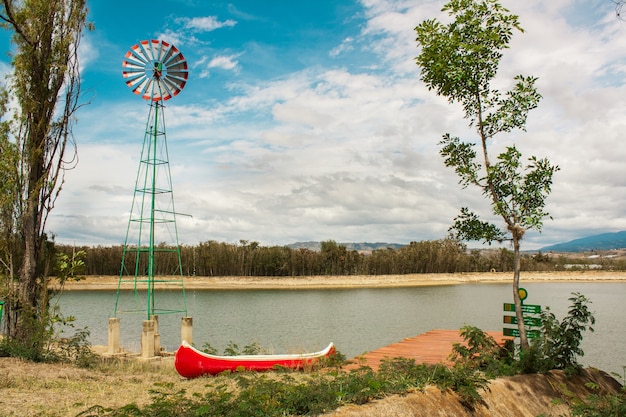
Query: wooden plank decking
pixel 431 347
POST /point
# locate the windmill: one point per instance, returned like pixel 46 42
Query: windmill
pixel 151 258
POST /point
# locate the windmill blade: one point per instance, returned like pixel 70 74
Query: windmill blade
pixel 156 70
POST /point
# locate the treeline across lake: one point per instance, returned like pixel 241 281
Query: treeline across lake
pixel 251 259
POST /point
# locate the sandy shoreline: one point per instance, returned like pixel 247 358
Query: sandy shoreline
pixel 357 281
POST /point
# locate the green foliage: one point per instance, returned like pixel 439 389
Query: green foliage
pixel 458 60
pixel 481 352
pixel 47 341
pixel 47 345
pixel 70 267
pixel 559 344
pixel 76 349
pixel 610 405
pixel 33 348
pixel 251 349
pixel 596 404
pixel 520 196
pixel 468 226
pixel 336 360
pixel 207 348
pixel 233 349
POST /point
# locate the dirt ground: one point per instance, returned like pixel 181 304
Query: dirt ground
pixel 353 281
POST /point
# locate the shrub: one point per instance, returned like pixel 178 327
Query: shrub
pixel 482 353
pixel 601 406
pixel 559 344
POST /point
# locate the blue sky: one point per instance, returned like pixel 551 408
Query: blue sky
pixel 307 121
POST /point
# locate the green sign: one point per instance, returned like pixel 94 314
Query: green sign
pixel 526 308
pixel 523 294
pixel 531 334
pixel 1 306
pixel 528 321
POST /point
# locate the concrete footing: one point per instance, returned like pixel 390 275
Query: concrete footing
pixel 150 336
pixel 186 330
pixel 157 336
pixel 147 339
pixel 114 336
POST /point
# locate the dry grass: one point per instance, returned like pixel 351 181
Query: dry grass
pixel 51 390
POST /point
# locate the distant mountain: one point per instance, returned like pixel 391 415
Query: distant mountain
pixel 604 241
pixel 362 246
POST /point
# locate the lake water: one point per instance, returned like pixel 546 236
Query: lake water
pixel 356 320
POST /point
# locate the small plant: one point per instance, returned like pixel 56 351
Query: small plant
pixel 601 405
pixel 250 349
pixel 621 377
pixel 335 360
pixel 77 349
pixel 481 352
pixel 559 343
pixel 207 348
pixel 233 349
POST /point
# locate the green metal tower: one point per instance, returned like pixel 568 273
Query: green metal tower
pixel 151 258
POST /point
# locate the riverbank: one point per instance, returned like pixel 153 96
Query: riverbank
pixel 356 281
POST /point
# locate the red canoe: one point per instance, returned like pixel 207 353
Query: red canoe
pixel 192 363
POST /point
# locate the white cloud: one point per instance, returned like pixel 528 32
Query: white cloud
pixel 206 23
pixel 175 38
pixel 345 46
pixel 226 62
pixel 185 34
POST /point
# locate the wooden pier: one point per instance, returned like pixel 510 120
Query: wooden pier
pixel 431 347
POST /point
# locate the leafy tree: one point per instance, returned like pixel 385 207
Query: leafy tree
pixel 36 143
pixel 459 60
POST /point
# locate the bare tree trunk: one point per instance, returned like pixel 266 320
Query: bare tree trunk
pixel 516 297
pixel 28 293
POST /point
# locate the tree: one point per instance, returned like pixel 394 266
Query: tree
pixel 37 134
pixel 459 60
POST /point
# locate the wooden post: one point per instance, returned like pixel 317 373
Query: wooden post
pixel 114 336
pixel 147 339
pixel 186 330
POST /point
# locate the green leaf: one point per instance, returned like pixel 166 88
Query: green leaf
pixel 467 226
